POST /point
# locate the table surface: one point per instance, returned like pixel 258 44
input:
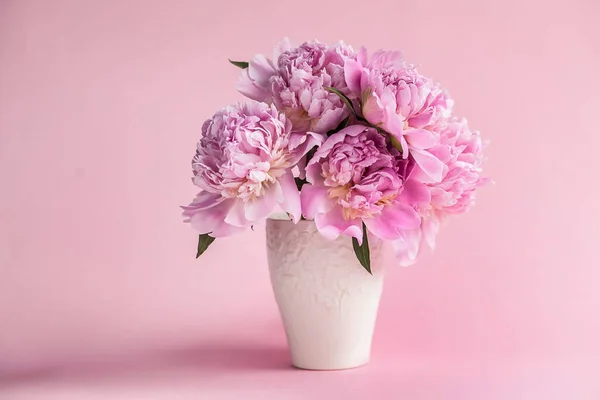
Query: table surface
pixel 256 368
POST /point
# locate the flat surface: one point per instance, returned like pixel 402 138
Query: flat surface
pixel 254 369
pixel 101 105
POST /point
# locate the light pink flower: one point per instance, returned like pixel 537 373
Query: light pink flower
pixel 295 83
pixel 460 150
pixel 393 96
pixel 400 167
pixel 255 81
pixel 354 177
pixel 243 165
pixel 411 243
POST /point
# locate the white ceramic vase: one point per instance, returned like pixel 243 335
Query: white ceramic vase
pixel 328 302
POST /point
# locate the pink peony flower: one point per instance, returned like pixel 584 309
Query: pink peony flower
pixel 295 83
pixel 255 81
pixel 355 178
pixel 460 150
pixel 398 168
pixel 393 96
pixel 243 165
pixel 409 246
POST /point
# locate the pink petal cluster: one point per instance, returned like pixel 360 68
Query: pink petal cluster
pixel 243 165
pixel 461 151
pixel 354 178
pixel 296 80
pixel 398 165
pixel 392 95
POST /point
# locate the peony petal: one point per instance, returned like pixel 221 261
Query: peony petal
pixel 300 144
pixel 394 125
pixel 248 88
pixel 260 208
pixel 208 219
pixel 315 200
pixel 237 216
pixel 283 46
pixel 373 110
pixel 421 120
pixel 420 138
pixel 254 81
pixel 362 55
pixel 352 130
pixel 291 196
pixel 385 59
pixel 407 248
pixel 380 228
pixel 299 169
pixel 389 105
pixel 414 193
pixel 261 70
pixel 330 119
pixel 393 219
pixel 203 201
pixel 352 74
pixel 332 224
pixel 313 171
pixel 431 168
pixel 402 216
pixel 225 229
pixel 404 147
pixel 313 168
pixel 429 229
pixel 296 139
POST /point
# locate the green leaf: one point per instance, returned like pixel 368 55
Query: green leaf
pixel 204 241
pixel 362 251
pixel 240 64
pixel 395 142
pixel 344 98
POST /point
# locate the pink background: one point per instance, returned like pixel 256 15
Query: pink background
pixel 100 295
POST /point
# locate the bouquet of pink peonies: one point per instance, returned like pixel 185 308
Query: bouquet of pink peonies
pixel 356 143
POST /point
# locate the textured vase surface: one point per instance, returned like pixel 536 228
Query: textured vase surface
pixel 328 302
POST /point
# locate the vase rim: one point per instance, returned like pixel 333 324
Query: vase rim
pixel 285 218
pixel 282 216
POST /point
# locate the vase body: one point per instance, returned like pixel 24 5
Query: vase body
pixel 328 302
